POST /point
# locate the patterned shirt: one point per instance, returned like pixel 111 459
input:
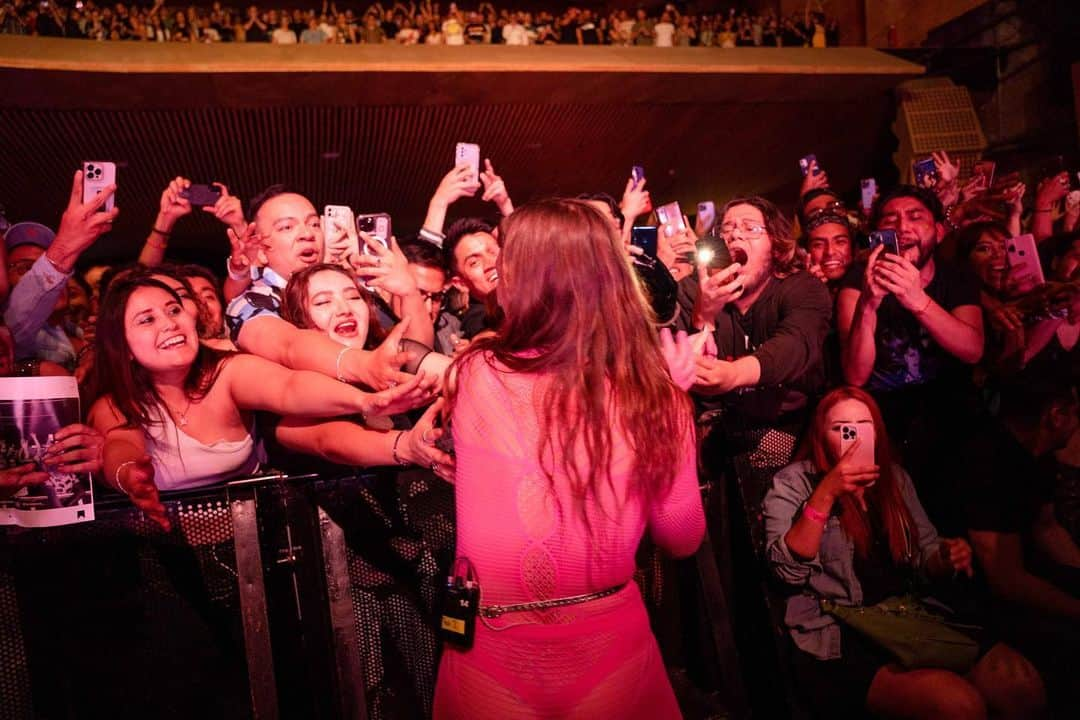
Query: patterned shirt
pixel 262 298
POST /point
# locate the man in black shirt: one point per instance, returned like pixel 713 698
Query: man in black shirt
pixel 766 318
pixel 470 250
pixel 910 327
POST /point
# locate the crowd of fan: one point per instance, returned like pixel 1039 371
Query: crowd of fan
pixel 414 24
pixel 969 354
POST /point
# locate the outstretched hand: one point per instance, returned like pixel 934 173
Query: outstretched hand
pixel 679 356
pixel 137 480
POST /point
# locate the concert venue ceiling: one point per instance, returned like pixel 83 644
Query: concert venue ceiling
pixel 375 127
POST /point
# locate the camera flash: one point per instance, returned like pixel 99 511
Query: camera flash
pixel 705 256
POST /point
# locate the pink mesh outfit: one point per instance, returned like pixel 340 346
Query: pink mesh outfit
pixel 528 542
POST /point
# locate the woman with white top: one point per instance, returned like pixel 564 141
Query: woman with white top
pixel 177 414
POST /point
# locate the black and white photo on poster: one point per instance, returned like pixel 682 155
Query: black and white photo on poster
pixel 32 409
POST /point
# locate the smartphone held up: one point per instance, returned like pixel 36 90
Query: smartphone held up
pixel 96 177
pixel 468 154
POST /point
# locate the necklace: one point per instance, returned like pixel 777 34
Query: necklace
pixel 182 420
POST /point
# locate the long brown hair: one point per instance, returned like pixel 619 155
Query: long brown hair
pixel 884 500
pixel 295 300
pixel 119 375
pixel 573 311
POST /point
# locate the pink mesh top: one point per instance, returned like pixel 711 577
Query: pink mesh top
pixel 527 541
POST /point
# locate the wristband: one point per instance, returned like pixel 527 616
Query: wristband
pixel 435 238
pixel 924 307
pixel 815 515
pixel 162 233
pixel 398 460
pixel 116 477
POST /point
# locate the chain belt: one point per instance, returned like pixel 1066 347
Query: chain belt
pixel 494 611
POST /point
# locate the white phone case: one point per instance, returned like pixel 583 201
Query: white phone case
pixel 864 454
pixel 670 216
pixel 1025 269
pixel 335 219
pixel 96 177
pixel 468 153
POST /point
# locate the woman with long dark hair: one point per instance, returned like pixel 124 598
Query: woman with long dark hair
pixel 844 531
pixel 177 412
pixel 572 439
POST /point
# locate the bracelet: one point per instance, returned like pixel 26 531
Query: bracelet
pixel 162 233
pixel 116 477
pixel 435 238
pixel 815 515
pixel 337 363
pixel 235 276
pixel 924 307
pixel 398 460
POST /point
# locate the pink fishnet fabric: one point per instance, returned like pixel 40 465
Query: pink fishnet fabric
pixel 527 541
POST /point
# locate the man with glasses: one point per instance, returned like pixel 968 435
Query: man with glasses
pixel 763 320
pixel 427 268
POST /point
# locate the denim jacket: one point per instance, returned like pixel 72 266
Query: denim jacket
pixel 831 574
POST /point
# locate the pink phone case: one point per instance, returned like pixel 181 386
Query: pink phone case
pixel 1025 270
pixel 468 153
pixel 864 454
pixel 670 216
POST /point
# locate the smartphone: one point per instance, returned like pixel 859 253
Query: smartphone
pixel 638 174
pixel 926 174
pixel 338 218
pixel 377 225
pixel 863 456
pixel 201 195
pixel 96 177
pixel 888 239
pixel 805 163
pixel 1025 270
pixel 468 154
pixel 868 187
pixel 671 217
pixel 706 217
pixel 985 170
pixel 644 237
pixel 713 253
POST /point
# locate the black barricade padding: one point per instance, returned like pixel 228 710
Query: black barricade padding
pixel 121 618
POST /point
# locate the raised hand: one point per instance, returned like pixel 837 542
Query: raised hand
pixel 947 170
pixel 383 368
pixel 636 200
pixel 716 290
pixel 173 205
pixel 248 249
pixel 384 268
pixel 136 479
pixel 815 178
pixel 228 210
pixel 679 356
pixel 495 190
pixel 1051 190
pixel 456 184
pixel 899 276
pixel 80 225
pixel 75 449
pixel 847 478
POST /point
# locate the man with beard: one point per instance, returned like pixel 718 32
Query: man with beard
pixel 910 326
pixel 907 319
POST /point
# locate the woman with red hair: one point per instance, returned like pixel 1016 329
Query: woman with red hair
pixel 853 532
pixel 572 440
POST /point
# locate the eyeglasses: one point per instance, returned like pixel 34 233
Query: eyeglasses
pixel 435 297
pixel 750 229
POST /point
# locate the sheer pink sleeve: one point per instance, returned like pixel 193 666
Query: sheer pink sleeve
pixel 677 522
